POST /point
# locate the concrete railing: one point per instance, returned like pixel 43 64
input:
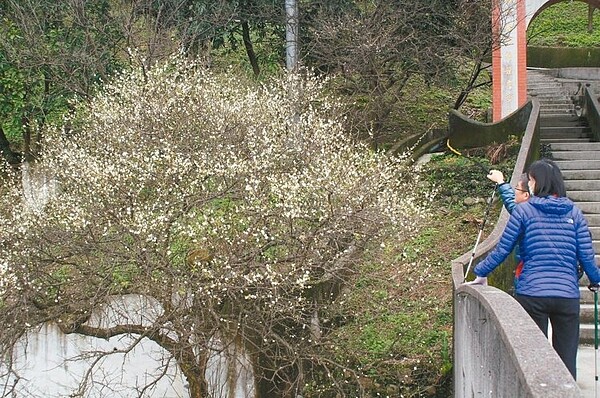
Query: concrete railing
pixel 500 352
pixel 498 349
pixel 591 110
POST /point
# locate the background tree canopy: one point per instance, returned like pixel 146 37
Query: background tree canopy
pixel 53 52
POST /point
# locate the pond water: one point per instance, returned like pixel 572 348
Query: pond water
pixel 52 364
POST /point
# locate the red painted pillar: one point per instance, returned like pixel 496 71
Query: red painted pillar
pixel 503 12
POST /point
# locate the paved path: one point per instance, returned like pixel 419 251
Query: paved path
pixel 586 371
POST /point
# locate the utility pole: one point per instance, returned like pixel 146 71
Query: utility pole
pixel 291 34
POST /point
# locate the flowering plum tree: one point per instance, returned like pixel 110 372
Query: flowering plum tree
pixel 237 208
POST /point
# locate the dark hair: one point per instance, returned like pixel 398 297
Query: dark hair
pixel 548 178
pixel 524 181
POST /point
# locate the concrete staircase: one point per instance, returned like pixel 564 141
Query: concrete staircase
pixel 580 165
pixel 554 100
pixel 567 139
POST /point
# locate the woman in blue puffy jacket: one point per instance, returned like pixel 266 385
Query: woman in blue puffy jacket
pixel 554 236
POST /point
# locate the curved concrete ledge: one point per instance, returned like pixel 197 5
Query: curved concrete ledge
pixel 418 144
pixel 468 133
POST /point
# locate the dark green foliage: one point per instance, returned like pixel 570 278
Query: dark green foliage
pixel 51 52
pixel 458 176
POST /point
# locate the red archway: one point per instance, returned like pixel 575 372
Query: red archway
pixel 510 19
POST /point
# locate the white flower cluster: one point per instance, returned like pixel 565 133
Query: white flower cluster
pixel 262 179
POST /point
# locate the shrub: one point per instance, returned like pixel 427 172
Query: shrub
pixel 240 209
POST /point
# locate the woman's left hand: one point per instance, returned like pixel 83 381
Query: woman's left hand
pixel 480 280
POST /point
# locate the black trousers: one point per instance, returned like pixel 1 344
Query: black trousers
pixel 564 316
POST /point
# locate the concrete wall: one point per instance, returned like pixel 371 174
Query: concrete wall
pixel 468 133
pixel 500 351
pixel 582 73
pixel 563 57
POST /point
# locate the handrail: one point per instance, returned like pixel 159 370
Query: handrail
pixel 591 110
pixel 498 349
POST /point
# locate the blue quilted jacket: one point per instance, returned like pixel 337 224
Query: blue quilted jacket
pixel 554 237
pixel 507 194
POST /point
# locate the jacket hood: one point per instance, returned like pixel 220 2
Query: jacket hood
pixel 551 204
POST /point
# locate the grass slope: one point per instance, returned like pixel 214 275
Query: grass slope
pixel 564 24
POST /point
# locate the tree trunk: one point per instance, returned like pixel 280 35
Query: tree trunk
pixel 249 49
pixel 590 18
pixel 194 374
pixel 26 137
pixel 462 97
pixel 11 156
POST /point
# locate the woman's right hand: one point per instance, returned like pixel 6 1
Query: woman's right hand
pixel 496 176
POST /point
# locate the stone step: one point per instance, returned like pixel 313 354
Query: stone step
pixel 549 97
pixel 592 146
pixel 584 196
pixel 567 130
pixel 556 103
pixel 577 164
pixel 595 231
pixel 545 98
pixel 586 313
pixel 586 333
pixel 586 296
pixel 545 88
pixel 557 111
pixel 589 207
pixel 546 95
pixel 593 220
pixel 539 74
pixel 534 89
pixel 581 174
pixel 576 155
pixel 561 140
pixel 534 86
pixel 561 120
pixel 573 136
pixel 582 185
pixel 556 100
pixel 540 79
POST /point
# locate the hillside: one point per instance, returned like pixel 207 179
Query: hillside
pixel 565 24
